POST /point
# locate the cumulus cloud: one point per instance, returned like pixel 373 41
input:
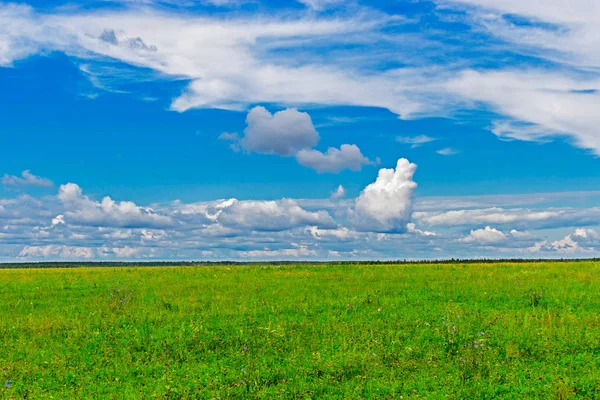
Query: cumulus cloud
pixel 74 253
pixel 487 235
pixel 269 215
pixel 256 215
pixel 348 156
pixel 386 204
pixel 81 210
pixel 283 133
pixel 57 252
pixel 291 133
pixel 582 240
pixel 297 252
pixel 280 229
pixel 341 233
pixel 26 179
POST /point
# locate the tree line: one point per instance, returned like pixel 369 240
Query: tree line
pixel 123 264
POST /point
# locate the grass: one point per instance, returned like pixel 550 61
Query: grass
pixel 478 331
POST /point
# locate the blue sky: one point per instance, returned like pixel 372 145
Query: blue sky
pixel 174 130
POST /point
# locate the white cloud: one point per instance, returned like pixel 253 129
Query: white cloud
pixel 338 193
pixel 447 203
pixel 561 30
pixel 565 245
pixel 298 252
pixel 226 3
pixel 520 235
pixel 588 234
pixel 269 215
pixel 57 252
pixel 541 104
pixel 485 236
pixel 386 204
pixel 257 215
pixel 581 241
pixel 415 141
pixel 515 217
pixel 348 156
pixel 126 252
pixel 81 210
pixel 287 229
pixel 283 133
pixel 17 23
pixel 321 4
pixel 292 133
pixel 231 61
pixel 26 179
pixel 233 137
pixel 74 253
pixel 412 228
pixel 341 233
pixel 153 234
pixel 448 151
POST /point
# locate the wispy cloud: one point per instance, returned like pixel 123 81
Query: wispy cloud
pixel 243 59
pixel 26 179
pixel 415 141
pixel 448 151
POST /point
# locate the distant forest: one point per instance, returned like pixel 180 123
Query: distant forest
pixel 124 264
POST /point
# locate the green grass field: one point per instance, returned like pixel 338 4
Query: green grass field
pixel 475 331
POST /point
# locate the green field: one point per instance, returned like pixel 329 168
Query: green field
pixel 472 331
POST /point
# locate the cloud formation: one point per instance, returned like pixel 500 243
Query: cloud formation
pixel 386 204
pixel 485 236
pixel 266 215
pixel 338 193
pixel 240 60
pixel 80 209
pixel 26 179
pixel 320 4
pixel 415 141
pixel 283 133
pixel 526 218
pixel 291 133
pixel 348 156
pixel 74 226
pixel 231 62
pixel 447 151
pixel 537 105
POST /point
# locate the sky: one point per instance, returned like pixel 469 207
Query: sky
pixel 255 130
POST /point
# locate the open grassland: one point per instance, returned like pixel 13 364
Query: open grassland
pixel 471 331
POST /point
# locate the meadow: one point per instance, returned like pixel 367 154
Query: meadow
pixel 462 331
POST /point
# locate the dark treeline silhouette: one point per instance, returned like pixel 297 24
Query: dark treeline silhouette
pixel 123 264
